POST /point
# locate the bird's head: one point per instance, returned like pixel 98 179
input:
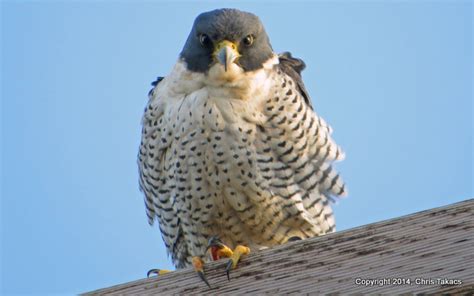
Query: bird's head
pixel 229 39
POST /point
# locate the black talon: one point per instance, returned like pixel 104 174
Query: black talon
pixel 294 239
pixel 228 268
pixel 203 277
pixel 152 271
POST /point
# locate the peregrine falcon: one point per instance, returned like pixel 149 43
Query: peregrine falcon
pixel 233 156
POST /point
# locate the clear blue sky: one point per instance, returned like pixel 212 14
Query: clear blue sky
pixel 393 79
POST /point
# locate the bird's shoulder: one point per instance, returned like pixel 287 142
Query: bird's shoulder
pixel 154 84
pixel 293 67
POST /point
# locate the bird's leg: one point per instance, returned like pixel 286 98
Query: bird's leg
pixel 157 272
pixel 220 250
pixel 198 265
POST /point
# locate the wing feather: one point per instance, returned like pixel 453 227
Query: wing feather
pixel 296 152
pixel 156 178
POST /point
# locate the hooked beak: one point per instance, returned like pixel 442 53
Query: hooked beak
pixel 226 53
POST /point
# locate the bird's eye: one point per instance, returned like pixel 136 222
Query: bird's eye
pixel 248 40
pixel 204 40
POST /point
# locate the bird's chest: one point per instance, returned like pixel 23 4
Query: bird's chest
pixel 212 156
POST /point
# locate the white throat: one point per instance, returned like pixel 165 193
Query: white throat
pixel 235 83
pixel 231 84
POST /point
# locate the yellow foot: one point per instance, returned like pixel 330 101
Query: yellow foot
pixel 219 250
pixel 157 272
pixel 198 265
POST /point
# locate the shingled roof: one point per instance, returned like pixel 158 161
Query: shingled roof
pixel 427 252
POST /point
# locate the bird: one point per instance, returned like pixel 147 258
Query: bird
pixel 233 156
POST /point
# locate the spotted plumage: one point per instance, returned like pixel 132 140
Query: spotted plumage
pixel 238 153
